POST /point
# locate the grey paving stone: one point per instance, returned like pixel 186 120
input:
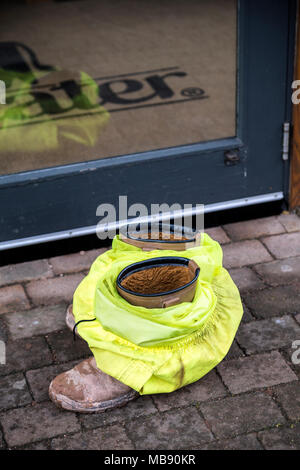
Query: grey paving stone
pixel 234 352
pixel 208 387
pixel 13 392
pixel 43 445
pixel 241 414
pixel 25 354
pixel 39 379
pixel 3 330
pixel 37 321
pixel 247 316
pixel 111 438
pixel 239 254
pixel 22 272
pixel 218 234
pixel 289 397
pixel 250 373
pixel 280 271
pixel 291 355
pixel 264 335
pixel 143 406
pixel 291 222
pixel 284 246
pixel 43 421
pixel 75 262
pixel 65 349
pixel 13 298
pixel 274 301
pixel 297 317
pixel 246 279
pixel 54 290
pixel 283 438
pixel 254 228
pixel 245 442
pixel 2 444
pixel 177 429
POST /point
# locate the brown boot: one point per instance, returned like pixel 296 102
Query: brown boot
pixel 86 389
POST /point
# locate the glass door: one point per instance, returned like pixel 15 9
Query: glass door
pixel 164 102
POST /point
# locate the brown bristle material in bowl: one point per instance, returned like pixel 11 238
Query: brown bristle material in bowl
pixel 158 280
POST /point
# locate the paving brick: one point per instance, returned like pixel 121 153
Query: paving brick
pixel 43 445
pixel 39 379
pixel 2 444
pixel 292 357
pixel 3 330
pixel 247 316
pixel 246 279
pixel 283 438
pixel 65 349
pixel 75 262
pixel 264 335
pixel 37 321
pixel 42 421
pixel 143 406
pixel 245 442
pixel 53 291
pixel 177 429
pixel 289 397
pixel 218 234
pixel 274 301
pixel 234 352
pixel 13 298
pixel 26 354
pixel 250 373
pixel 241 414
pixel 209 387
pixel 22 272
pixel 280 271
pixel 284 246
pixel 291 222
pixel 112 438
pixel 13 392
pixel 254 228
pixel 239 254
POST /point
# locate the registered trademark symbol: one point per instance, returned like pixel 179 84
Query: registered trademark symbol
pixel 192 92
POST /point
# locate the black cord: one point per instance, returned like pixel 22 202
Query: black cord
pixel 75 326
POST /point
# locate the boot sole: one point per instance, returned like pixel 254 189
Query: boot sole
pixel 79 407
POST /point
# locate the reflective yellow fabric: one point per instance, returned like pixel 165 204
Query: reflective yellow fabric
pixel 158 350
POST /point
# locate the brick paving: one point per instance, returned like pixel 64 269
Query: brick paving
pixel 250 401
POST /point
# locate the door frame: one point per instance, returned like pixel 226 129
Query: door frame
pixel 60 202
pixel 294 195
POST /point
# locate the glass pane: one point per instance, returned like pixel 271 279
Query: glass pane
pixel 94 79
